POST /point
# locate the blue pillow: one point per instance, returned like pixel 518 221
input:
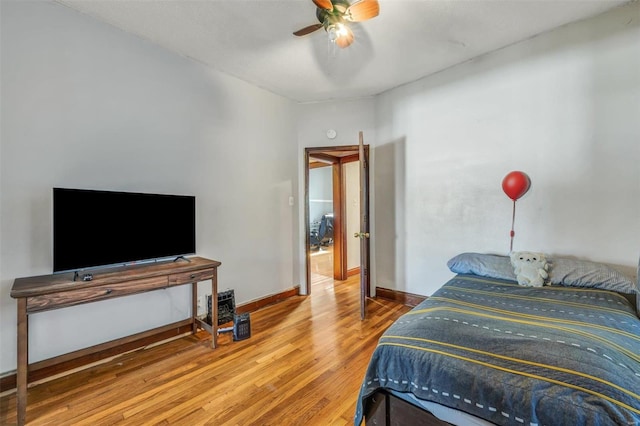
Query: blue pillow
pixel 484 265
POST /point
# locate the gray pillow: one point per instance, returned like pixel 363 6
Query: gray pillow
pixel 484 265
pixel 583 273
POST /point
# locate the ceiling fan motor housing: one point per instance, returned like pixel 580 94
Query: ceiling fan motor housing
pixel 332 17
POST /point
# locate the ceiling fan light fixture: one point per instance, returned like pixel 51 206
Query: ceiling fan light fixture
pixel 332 31
pixel 345 36
pixel 333 15
pixel 337 31
pixel 341 30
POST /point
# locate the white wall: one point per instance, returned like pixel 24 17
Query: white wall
pixel 320 192
pixel 85 105
pixel 564 107
pixel 351 174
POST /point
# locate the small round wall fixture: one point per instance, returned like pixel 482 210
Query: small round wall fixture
pixel 331 134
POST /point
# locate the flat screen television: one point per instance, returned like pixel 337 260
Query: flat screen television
pixel 93 228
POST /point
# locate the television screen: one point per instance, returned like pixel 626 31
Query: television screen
pixel 98 228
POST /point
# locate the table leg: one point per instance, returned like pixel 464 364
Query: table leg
pixel 23 361
pixel 214 309
pixel 194 307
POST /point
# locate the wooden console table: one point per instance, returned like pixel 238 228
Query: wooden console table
pixel 47 292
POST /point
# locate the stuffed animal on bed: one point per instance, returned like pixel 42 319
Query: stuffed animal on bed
pixel 531 269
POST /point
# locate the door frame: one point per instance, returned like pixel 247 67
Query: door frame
pixel 336 156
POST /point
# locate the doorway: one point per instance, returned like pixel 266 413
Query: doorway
pixel 321 221
pixel 332 213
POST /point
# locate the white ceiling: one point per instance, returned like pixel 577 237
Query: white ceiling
pixel 253 41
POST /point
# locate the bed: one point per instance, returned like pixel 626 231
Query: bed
pixel 484 350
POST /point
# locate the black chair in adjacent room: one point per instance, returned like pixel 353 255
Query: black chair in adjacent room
pixel 323 236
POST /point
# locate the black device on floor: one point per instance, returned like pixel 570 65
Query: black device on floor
pixel 241 326
pixel 227 312
pixel 226 306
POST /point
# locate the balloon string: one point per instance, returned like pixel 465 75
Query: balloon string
pixel 513 219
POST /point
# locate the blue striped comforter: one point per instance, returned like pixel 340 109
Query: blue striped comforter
pixel 515 355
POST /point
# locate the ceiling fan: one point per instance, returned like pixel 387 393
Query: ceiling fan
pixel 335 15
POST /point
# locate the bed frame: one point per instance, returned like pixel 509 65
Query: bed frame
pixel 385 409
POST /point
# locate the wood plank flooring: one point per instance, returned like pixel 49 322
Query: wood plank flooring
pixel 302 365
pixel 321 264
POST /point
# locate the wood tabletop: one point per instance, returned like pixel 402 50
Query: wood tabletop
pixel 53 283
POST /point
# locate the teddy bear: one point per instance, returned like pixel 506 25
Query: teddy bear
pixel 531 269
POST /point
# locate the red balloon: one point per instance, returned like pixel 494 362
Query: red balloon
pixel 516 184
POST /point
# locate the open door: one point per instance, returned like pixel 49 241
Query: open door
pixel 363 235
pixel 337 156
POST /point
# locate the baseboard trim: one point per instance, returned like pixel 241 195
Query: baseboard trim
pixel 408 299
pixel 354 271
pixel 63 363
pixel 56 366
pixel 268 300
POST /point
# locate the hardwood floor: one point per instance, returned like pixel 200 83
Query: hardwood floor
pixel 321 264
pixel 302 365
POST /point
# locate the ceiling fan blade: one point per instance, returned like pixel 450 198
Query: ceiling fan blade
pixel 346 37
pixel 323 4
pixel 307 30
pixel 362 10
